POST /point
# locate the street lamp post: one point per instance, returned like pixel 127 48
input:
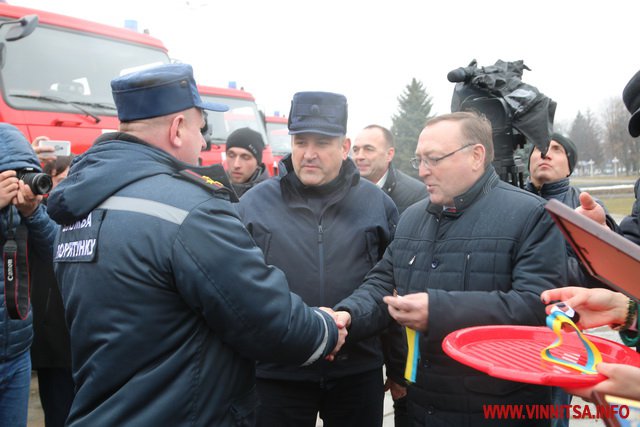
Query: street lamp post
pixel 590 163
pixel 615 166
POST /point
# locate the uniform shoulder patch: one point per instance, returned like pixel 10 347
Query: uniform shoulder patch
pixel 202 180
pixel 211 184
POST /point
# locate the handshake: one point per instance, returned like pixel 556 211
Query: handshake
pixel 343 320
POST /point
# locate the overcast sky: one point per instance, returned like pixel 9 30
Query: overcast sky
pixel 581 53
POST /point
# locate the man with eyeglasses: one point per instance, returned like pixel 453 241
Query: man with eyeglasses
pixel 479 251
pixel 168 300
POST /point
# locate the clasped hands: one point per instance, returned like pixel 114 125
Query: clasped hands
pixel 410 310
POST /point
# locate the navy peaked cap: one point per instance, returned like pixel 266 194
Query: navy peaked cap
pixel 318 112
pixel 158 91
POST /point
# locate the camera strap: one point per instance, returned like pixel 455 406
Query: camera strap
pixel 16 272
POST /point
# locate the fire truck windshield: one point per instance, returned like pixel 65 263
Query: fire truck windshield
pixel 64 70
pixel 242 113
pixel 279 138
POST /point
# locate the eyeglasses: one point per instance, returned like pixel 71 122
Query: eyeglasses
pixel 433 161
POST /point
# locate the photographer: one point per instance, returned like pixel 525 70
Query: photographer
pixel 20 209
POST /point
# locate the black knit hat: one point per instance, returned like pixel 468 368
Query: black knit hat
pixel 569 148
pixel 248 139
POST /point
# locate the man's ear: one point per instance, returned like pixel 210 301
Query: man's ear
pixel 391 151
pixel 479 153
pixel 175 130
pixel 346 146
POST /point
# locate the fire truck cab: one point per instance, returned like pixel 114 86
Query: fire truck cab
pixel 56 80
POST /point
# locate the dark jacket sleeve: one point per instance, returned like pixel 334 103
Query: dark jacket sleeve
pixel 630 225
pixel 368 311
pixel 42 233
pixel 243 299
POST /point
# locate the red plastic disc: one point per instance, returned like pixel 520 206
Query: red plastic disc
pixel 513 353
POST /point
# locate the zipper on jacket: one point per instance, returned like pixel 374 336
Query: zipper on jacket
pixel 467 271
pixel 321 260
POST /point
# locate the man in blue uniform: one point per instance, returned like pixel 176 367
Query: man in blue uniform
pixel 167 298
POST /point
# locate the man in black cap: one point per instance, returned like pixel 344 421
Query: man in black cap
pixel 325 228
pixel 630 225
pixel 168 300
pixel 244 159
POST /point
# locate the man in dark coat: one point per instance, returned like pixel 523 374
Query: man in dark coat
pixel 549 179
pixel 167 298
pixel 478 252
pixel 325 228
pixel 373 151
pixel 630 225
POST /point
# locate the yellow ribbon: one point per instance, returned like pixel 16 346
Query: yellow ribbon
pixel 413 354
pixel 555 320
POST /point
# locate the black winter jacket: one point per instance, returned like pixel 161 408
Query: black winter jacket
pixel 403 189
pixel 258 176
pixel 167 298
pixel 630 225
pixel 324 253
pixel 51 347
pixel 564 192
pixel 485 264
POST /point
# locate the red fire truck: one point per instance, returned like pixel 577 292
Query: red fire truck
pixel 243 112
pixel 56 80
pixel 278 137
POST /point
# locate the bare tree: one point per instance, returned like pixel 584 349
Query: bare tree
pixel 616 139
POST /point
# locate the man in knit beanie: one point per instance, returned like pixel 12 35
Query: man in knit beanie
pixel 549 178
pixel 244 159
pixel 558 163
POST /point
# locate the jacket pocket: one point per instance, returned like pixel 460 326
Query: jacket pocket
pixel 244 409
pixel 373 247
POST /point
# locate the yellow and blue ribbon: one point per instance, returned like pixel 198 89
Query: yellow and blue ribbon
pixel 413 354
pixel 555 320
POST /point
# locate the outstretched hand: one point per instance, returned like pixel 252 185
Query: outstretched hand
pixel 597 306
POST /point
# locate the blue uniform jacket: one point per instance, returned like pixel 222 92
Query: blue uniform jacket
pixel 167 298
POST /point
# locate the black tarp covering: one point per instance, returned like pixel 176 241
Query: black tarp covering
pixel 530 112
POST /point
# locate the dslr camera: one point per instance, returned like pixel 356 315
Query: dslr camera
pixel 40 183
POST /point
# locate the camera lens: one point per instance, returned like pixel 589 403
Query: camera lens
pixel 40 183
